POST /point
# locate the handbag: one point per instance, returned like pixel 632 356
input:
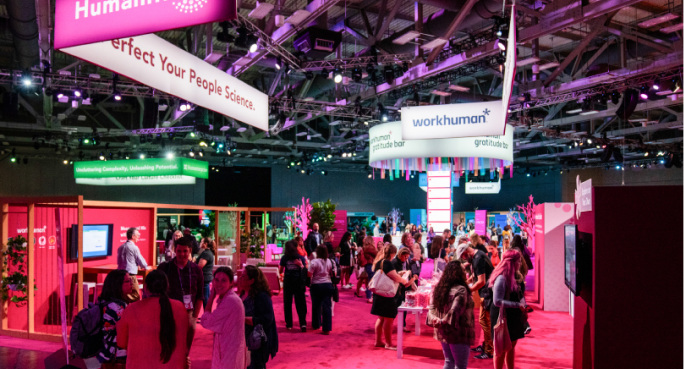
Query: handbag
pixel 383 285
pixel 256 338
pixel 336 292
pixel 500 336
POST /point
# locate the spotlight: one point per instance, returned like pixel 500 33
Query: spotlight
pixel 102 156
pixel 337 73
pixel 169 155
pixel 309 75
pixel 501 44
pixel 324 172
pixel 278 62
pixel 389 74
pixel 324 73
pixel 77 93
pixel 13 160
pixel 201 153
pixel 370 175
pixel 60 95
pixel 656 86
pixel 370 68
pixel 142 156
pixel 192 153
pixel 26 79
pixel 615 97
pixel 117 96
pixel 643 93
pixel 384 117
pixel 252 42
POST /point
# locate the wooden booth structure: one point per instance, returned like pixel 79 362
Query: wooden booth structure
pixel 54 262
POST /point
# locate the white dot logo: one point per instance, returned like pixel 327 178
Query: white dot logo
pixel 189 6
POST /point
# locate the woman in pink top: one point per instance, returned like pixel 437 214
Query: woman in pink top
pixel 227 321
pixel 154 331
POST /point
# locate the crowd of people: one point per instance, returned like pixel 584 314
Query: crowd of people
pixel 156 328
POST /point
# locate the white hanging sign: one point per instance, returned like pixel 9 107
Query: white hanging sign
pixel 478 188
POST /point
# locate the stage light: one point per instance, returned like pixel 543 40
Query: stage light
pixel 389 74
pixel 589 141
pixel 201 153
pixel 677 84
pixel 615 97
pixel 77 93
pixel 202 143
pixel 370 68
pixel 182 106
pixel 117 96
pixel 370 175
pixel 324 73
pixel 252 41
pixel 324 172
pixel 357 75
pixel 337 73
pixel 644 92
pixel 169 155
pixel 303 171
pixel 278 62
pixel 26 79
pixel 191 153
pixel 329 156
pixel 142 156
pixel 500 44
pixel 309 75
pixel 102 156
pixel 384 117
pixel 60 95
pixel 656 86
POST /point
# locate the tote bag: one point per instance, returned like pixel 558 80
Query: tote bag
pixel 500 336
pixel 383 285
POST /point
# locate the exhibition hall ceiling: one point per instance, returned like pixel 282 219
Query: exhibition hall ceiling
pixel 333 69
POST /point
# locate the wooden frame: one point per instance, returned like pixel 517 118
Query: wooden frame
pixel 79 203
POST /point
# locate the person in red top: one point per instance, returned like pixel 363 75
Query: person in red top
pixel 300 247
pixel 493 250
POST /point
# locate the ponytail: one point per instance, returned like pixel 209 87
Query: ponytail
pixel 158 284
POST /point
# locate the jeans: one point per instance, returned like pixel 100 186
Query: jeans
pixel 455 355
pixel 486 325
pixel 206 294
pixel 321 305
pixel 371 273
pixel 293 288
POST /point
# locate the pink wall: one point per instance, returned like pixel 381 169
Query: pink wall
pixel 340 225
pixel 46 237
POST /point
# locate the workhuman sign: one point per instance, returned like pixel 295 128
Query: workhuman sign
pixel 153 61
pixel 472 188
pixel 386 143
pixel 453 120
pixel 141 168
pixel 80 22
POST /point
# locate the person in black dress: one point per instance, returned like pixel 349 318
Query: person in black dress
pixel 508 295
pixel 385 308
pixel 292 265
pixel 347 248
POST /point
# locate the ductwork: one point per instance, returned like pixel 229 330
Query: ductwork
pixel 439 22
pixel 24 28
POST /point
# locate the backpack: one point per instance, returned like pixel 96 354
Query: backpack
pixel 86 332
pixel 256 338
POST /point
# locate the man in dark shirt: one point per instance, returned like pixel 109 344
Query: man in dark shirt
pixel 482 269
pixel 477 242
pixel 194 246
pixel 313 240
pixel 186 283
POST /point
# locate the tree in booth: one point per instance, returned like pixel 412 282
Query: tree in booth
pixel 300 218
pixel 323 213
pixel 526 221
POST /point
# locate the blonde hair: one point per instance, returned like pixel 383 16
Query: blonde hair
pixel 405 239
pixel 368 241
pixel 329 236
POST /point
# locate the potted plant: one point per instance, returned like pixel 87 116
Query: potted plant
pixel 14 286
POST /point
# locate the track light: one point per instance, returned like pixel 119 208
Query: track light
pixel 615 97
pixel 278 62
pixel 252 42
pixel 26 79
pixel 644 92
pixel 169 155
pixel 389 74
pixel 324 73
pixel 117 96
pixel 370 68
pixel 77 93
pixel 337 73
pixel 309 75
pixel 357 75
pixel 102 156
pixel 501 44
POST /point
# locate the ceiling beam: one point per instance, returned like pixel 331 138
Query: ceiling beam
pixel 451 31
pixel 641 38
pixel 388 19
pixel 592 59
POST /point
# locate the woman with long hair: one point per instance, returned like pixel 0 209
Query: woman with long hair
pixel 299 241
pixel 437 246
pixel 227 321
pixel 171 248
pixel 385 308
pixel 256 298
pixel 292 265
pixel 493 250
pixel 320 271
pixel 347 248
pixel 154 331
pixel 451 312
pixel 508 295
pixel 205 260
pixel 526 265
pixel 387 238
pixel 367 256
pixel 116 286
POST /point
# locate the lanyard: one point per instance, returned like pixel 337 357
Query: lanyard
pixel 180 279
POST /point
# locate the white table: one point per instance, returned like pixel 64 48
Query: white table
pixel 403 310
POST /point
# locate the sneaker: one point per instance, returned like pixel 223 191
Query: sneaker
pixel 347 287
pixel 484 355
pixel 363 289
pixel 528 330
pixel 476 349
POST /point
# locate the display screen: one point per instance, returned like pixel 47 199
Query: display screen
pixel 571 258
pixel 97 240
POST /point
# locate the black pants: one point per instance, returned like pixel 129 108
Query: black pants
pixel 292 287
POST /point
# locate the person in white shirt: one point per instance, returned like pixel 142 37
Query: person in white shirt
pixel 128 258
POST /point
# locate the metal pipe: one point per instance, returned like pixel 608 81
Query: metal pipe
pixel 24 28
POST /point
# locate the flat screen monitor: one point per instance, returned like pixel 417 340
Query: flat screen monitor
pixel 571 242
pixel 97 241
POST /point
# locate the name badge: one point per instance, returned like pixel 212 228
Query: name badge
pixel 187 301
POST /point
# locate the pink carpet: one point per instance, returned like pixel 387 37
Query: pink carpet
pixel 350 344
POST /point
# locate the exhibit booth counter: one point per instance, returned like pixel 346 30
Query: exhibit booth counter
pixel 71 245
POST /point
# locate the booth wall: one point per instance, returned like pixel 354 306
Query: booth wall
pixel 246 186
pixel 353 192
pixel 52 178
pixel 514 191
pixel 602 177
pixel 623 222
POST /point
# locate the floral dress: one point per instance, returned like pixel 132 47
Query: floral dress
pixel 111 313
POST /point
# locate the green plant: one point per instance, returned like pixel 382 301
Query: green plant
pixel 16 281
pixel 208 230
pixel 256 243
pixel 323 213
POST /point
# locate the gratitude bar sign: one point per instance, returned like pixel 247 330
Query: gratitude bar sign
pixel 141 168
pixel 155 62
pixel 80 22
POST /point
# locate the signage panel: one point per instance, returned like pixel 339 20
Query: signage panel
pixel 481 222
pixel 386 143
pixel 439 182
pixel 142 167
pixel 439 193
pixel 439 215
pixel 483 187
pixel 582 197
pixel 439 227
pixel 453 120
pixel 138 181
pixel 155 62
pixel 439 204
pixel 79 22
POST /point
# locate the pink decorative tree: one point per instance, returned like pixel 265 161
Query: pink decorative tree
pixel 302 214
pixel 526 221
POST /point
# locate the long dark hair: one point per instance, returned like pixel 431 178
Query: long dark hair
pixel 112 287
pixel 225 270
pixel 210 244
pixel 345 238
pixel 321 252
pixel 260 283
pixel 389 250
pixel 158 284
pixel 517 243
pixel 437 245
pixel 291 249
pixel 387 238
pixel 453 276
